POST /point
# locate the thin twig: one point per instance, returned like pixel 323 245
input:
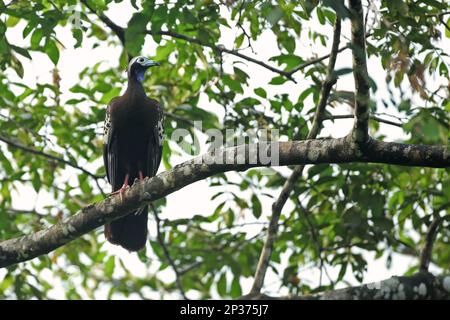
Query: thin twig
pixel 191 267
pixel 220 48
pixel 277 206
pixel 350 116
pixel 119 31
pixel 303 211
pixel 425 256
pixel 20 146
pixel 160 239
pixel 178 118
pixel 444 23
pixel 316 60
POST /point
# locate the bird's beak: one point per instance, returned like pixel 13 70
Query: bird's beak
pixel 150 63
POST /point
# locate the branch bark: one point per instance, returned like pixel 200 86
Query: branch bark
pixel 362 88
pixel 420 286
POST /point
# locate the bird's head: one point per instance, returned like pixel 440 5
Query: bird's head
pixel 137 67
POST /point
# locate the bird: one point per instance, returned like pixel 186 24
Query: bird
pixel 132 149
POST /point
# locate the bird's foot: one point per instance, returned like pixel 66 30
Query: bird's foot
pixel 122 189
pixel 120 192
pixel 141 178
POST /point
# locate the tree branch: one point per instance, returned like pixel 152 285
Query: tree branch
pixel 350 116
pixel 425 256
pixel 243 157
pixel 20 146
pixel 119 31
pixel 166 252
pixel 362 88
pixel 444 23
pixel 420 286
pixel 316 60
pixel 278 205
pixel 220 48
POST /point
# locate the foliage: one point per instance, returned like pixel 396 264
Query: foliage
pixel 335 215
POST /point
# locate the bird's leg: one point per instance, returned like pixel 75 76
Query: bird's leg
pixel 123 188
pixel 141 178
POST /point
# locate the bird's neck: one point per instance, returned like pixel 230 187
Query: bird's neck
pixel 135 89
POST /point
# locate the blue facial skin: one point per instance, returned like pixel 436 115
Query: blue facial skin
pixel 140 75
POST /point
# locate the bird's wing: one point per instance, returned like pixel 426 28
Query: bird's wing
pixel 110 147
pixel 154 148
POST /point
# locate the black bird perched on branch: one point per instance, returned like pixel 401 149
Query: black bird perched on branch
pixel 133 137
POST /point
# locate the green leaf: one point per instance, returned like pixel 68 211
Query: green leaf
pixel 232 84
pixel 135 33
pixel 261 92
pixel 256 206
pixel 78 36
pixel 275 15
pixel 238 41
pixel 17 66
pixel 447 29
pixel 52 51
pixel 21 51
pixel 109 266
pixel 36 38
pixel 236 290
pixel 278 80
pixel 342 71
pixel 222 285
pixel 12 21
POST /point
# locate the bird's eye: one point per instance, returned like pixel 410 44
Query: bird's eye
pixel 140 60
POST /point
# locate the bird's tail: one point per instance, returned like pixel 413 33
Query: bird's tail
pixel 130 231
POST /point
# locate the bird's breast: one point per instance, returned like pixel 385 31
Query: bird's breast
pixel 133 125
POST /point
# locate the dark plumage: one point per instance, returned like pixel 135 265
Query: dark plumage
pixel 133 137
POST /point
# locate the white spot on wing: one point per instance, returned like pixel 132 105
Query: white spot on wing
pixel 106 127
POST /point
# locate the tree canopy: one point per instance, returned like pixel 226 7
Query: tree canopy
pixel 334 200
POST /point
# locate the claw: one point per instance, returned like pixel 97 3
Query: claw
pixel 122 189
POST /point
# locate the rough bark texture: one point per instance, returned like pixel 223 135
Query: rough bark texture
pixel 420 286
pixel 362 97
pixel 341 150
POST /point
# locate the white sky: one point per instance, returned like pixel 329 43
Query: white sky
pixel 194 199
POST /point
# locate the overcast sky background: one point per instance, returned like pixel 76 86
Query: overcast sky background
pixel 195 199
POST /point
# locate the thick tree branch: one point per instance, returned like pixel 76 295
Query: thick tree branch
pixel 362 87
pixel 343 150
pixel 278 205
pixel 420 286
